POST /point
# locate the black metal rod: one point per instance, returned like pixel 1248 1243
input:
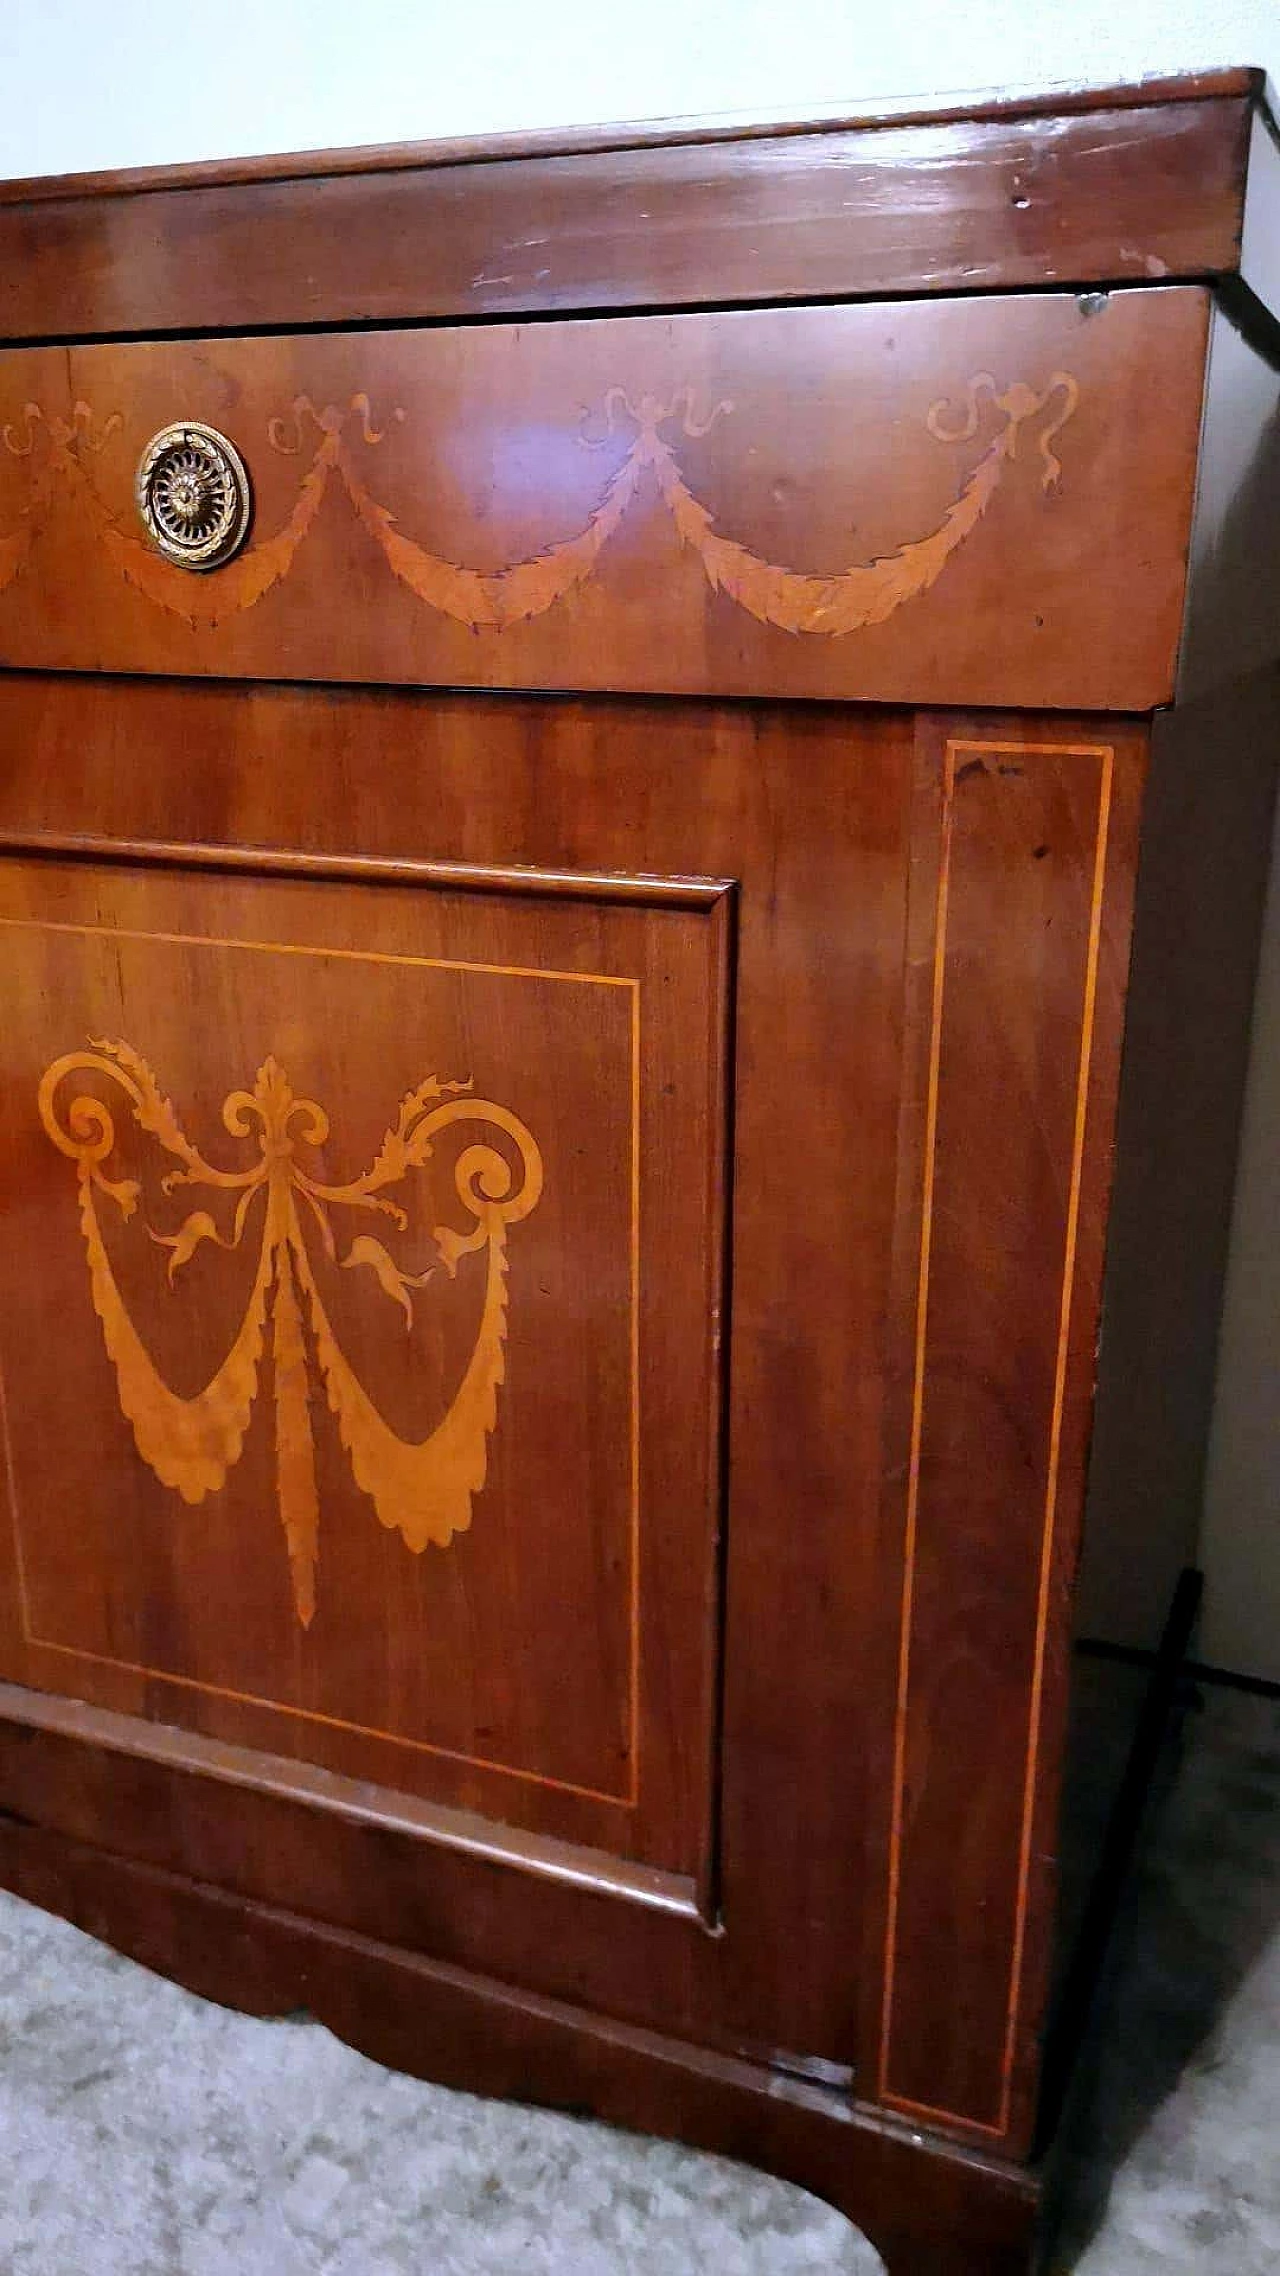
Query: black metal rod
pixel 1080 1983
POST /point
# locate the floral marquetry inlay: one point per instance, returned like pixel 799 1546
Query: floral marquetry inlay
pixel 789 598
pixel 422 1489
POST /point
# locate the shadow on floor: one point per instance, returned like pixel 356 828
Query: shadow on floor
pixel 1170 2140
pixel 148 2133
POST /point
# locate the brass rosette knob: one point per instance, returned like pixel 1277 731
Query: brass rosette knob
pixel 193 495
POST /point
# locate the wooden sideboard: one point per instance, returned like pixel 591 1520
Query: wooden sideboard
pixel 563 1021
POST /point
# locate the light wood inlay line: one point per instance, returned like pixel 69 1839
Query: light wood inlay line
pixel 1055 1430
pixel 1105 754
pixel 357 1800
pixel 308 948
pixel 326 1722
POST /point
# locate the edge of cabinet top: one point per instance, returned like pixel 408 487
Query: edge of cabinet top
pixel 1088 188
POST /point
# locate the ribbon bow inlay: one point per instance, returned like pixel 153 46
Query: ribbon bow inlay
pixel 423 1489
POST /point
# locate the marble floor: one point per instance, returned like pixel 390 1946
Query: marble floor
pixel 146 2133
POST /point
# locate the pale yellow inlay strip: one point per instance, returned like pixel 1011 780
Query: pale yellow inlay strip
pixel 307 948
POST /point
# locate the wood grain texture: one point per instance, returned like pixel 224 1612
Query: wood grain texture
pixel 1259 252
pixel 353 1800
pixel 415 772
pixel 930 2209
pixel 607 1635
pixel 940 503
pixel 809 810
pixel 403 1300
pixel 1020 928
pixel 1092 196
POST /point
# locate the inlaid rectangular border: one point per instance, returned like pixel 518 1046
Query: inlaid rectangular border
pixel 1105 754
pixel 690 894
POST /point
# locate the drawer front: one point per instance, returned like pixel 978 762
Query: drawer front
pixel 948 502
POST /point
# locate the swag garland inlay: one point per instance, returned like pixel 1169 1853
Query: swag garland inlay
pixel 792 600
pixel 422 1489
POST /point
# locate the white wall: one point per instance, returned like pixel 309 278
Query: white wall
pixel 85 85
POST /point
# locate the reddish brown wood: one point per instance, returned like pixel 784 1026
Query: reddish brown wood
pixel 145 1793
pixel 878 956
pixel 931 2210
pixel 820 502
pixel 810 811
pixel 1089 196
pixel 449 772
pixel 386 1664
pixel 355 1801
pixel 1019 917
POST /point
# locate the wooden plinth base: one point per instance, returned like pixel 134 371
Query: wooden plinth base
pixel 930 2208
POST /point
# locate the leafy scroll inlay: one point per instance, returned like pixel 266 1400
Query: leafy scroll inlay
pixel 423 1489
pixel 793 600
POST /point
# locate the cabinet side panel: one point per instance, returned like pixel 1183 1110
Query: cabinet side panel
pixel 1230 627
pixel 1201 890
pixel 1021 911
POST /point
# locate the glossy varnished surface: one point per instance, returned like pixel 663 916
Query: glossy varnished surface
pixel 950 2212
pixel 815 1517
pixel 1019 926
pixel 809 812
pixel 309 1387
pixel 607 1634
pixel 942 503
pixel 1094 193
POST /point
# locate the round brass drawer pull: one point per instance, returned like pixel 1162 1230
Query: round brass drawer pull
pixel 193 495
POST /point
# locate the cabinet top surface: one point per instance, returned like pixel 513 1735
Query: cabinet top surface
pixel 1162 180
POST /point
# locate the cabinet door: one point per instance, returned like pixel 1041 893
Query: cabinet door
pixel 366 1256
pixel 421 1515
